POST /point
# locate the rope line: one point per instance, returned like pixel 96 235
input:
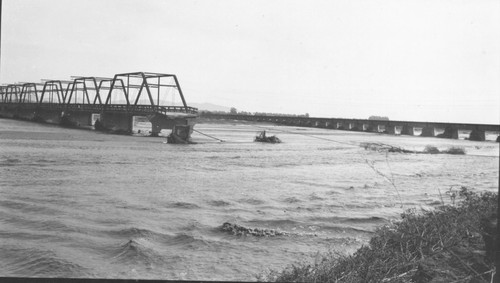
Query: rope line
pixel 209 136
pixel 289 132
pixel 294 133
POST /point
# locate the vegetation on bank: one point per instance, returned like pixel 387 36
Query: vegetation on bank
pixel 429 149
pixel 448 244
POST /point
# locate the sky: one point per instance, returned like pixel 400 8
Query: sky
pixel 421 60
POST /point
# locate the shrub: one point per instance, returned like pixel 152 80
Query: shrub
pixel 455 150
pixel 431 149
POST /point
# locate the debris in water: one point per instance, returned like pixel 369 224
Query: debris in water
pixel 243 231
pixel 384 147
pixel 261 137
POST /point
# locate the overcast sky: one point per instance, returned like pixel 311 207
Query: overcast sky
pixel 408 60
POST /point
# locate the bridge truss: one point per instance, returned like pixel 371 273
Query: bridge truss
pixel 143 92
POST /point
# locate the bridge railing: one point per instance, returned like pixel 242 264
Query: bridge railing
pixel 181 109
pixel 165 110
pixel 131 108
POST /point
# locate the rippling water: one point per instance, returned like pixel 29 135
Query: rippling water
pixel 76 203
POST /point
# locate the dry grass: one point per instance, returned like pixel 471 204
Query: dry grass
pixel 448 244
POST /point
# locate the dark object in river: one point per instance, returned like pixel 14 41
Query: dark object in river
pixel 429 149
pixel 261 137
pixel 238 230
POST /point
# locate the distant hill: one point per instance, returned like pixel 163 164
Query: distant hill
pixel 209 107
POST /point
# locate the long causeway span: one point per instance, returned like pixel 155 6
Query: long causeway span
pixel 427 129
pixel 115 100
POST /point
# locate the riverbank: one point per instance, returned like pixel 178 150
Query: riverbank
pixel 453 242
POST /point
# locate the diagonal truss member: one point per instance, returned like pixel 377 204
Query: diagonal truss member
pixel 152 87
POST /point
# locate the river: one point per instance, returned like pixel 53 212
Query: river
pixel 79 203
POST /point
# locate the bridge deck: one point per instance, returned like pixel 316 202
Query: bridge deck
pixel 120 108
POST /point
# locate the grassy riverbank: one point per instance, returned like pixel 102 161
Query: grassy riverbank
pixel 451 243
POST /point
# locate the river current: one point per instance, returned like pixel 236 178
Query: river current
pixel 78 203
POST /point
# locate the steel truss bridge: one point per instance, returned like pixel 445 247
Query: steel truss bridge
pixel 124 96
pixel 87 93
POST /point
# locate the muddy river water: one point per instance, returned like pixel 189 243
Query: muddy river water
pixel 78 203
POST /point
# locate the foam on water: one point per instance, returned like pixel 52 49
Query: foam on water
pixel 77 203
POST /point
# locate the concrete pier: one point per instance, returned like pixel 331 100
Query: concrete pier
pixel 78 118
pixel 391 130
pixel 408 130
pixel 117 122
pixel 373 128
pixel 48 116
pixel 159 122
pixel 428 132
pixel 25 114
pixel 357 127
pixel 449 133
pixel 477 135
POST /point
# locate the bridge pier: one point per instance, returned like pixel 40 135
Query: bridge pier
pixel 390 129
pixel 428 132
pixel 8 112
pixel 117 122
pixel 449 133
pixel 48 116
pixel 408 130
pixel 78 118
pixel 372 128
pixel 477 135
pixel 25 114
pixel 159 122
pixel 356 127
